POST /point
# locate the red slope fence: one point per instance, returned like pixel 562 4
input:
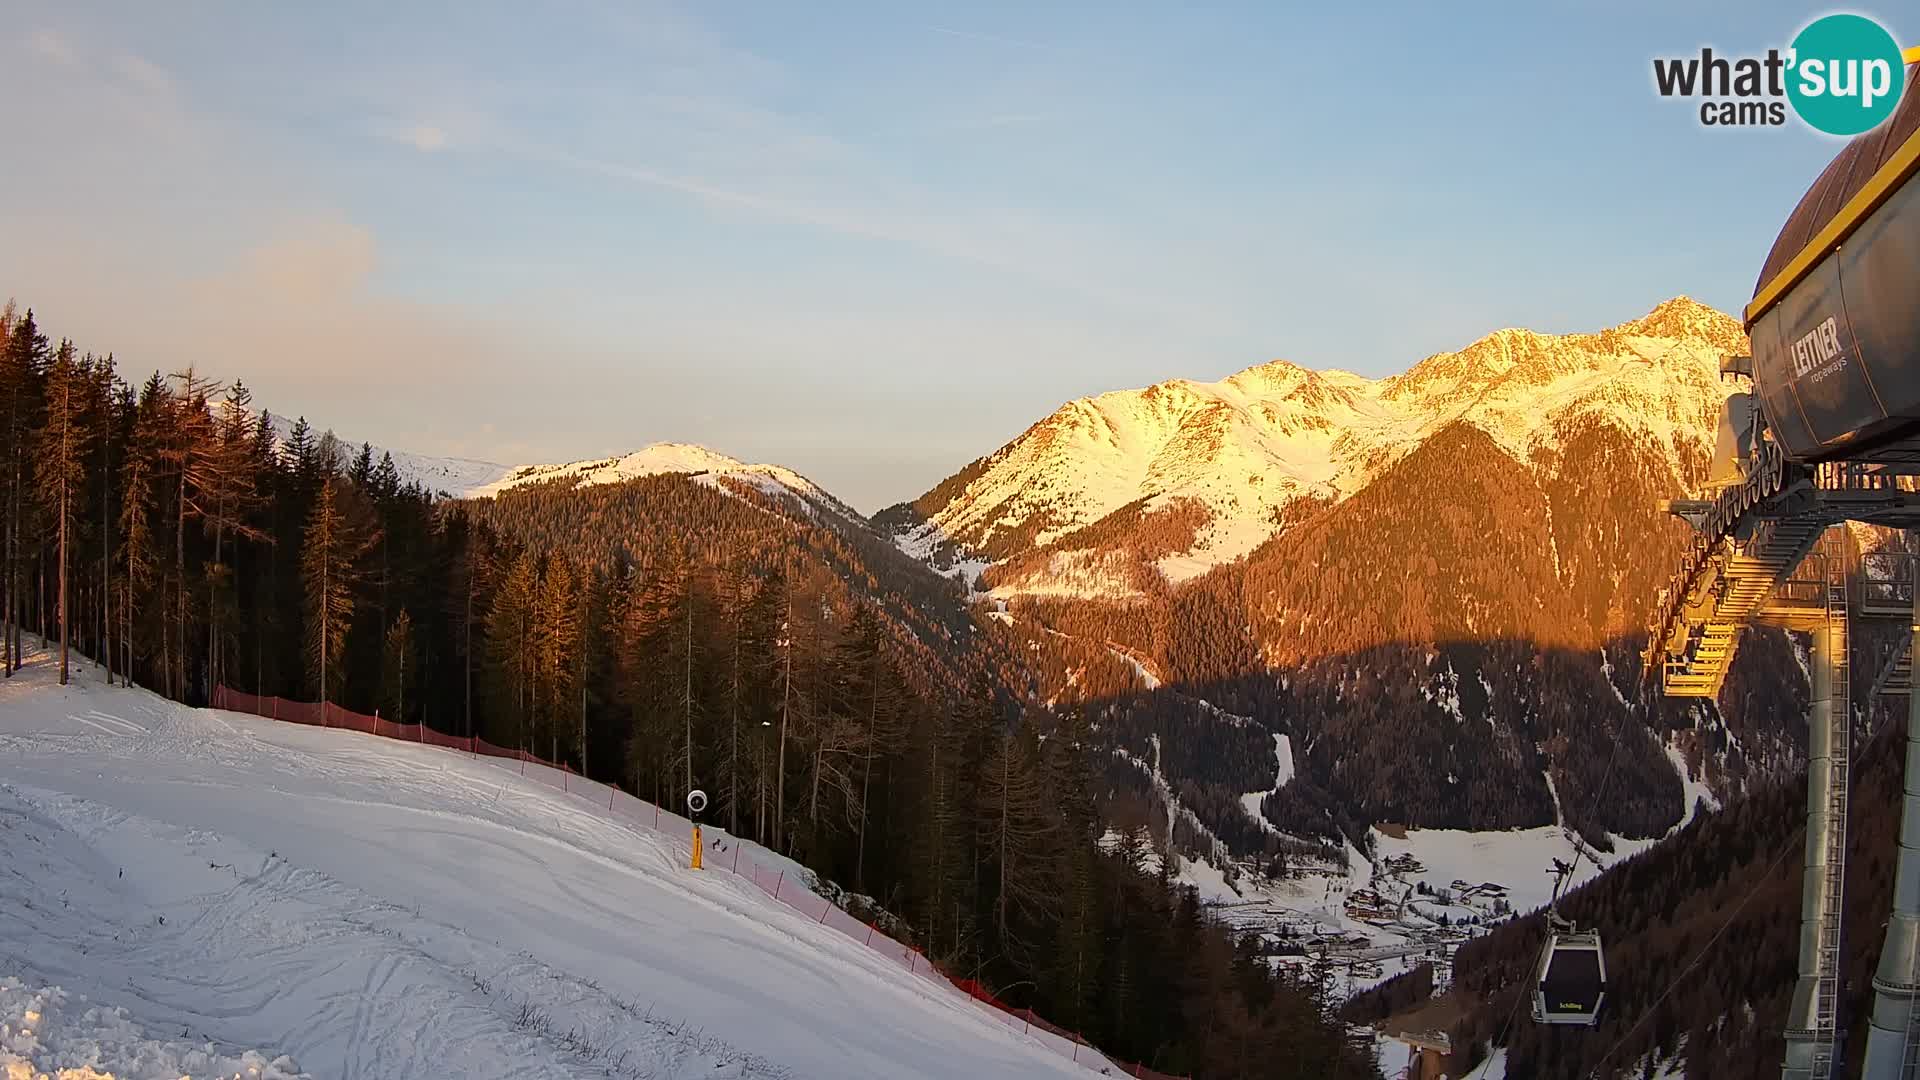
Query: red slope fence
pixel 725 854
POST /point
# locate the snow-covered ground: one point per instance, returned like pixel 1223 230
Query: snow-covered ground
pixel 1518 859
pixel 46 1031
pixel 376 909
pixel 1283 760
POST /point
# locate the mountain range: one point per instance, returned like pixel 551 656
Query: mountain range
pixel 1431 582
pixel 1111 492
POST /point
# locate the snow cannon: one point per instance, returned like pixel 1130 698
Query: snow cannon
pixel 1834 321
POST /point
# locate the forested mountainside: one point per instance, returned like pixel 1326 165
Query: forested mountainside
pixel 1428 659
pixel 1701 935
pixel 797 667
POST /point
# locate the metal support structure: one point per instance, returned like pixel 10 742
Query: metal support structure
pixel 1812 1019
pixel 1893 1051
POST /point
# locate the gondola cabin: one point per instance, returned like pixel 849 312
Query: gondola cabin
pixel 1572 980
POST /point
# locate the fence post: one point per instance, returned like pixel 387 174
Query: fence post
pixel 777 884
pixel 869 941
pixel 736 855
pixel 825 907
pixel 656 815
pixel 1029 1029
pixel 1076 1048
pixel 610 793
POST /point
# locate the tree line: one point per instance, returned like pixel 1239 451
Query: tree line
pixel 838 703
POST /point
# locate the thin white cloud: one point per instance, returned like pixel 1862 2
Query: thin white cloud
pixel 1015 244
pixel 996 39
pixel 143 73
pixel 51 45
pixel 426 138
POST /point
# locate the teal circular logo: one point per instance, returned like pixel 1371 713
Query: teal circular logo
pixel 1845 75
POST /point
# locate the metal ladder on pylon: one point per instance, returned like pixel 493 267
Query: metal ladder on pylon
pixel 1841 714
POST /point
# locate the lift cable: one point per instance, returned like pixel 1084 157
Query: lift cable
pixel 1553 914
pixel 1791 846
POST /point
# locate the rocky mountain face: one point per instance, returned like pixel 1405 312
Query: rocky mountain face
pixel 1114 493
pixel 1435 584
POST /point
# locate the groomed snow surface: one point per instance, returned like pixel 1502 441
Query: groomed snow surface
pixel 306 901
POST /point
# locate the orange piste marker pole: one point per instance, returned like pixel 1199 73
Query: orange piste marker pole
pixel 696 845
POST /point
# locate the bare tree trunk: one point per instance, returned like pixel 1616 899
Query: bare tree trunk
pixel 106 533
pixel 469 638
pixel 213 606
pixel 687 684
pixel 62 569
pixel 733 726
pixel 326 617
pixel 1006 766
pixel 786 708
pixel 866 778
pixel 180 592
pixel 126 622
pixel 11 645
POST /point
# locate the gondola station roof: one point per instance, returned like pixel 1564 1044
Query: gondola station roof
pixel 1834 325
pixel 1845 176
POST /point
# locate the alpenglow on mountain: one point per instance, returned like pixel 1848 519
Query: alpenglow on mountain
pixel 1171 480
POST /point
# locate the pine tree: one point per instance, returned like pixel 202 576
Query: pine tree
pixel 21 372
pixel 1018 834
pixel 62 475
pixel 398 668
pixel 329 565
pixel 188 453
pixel 510 645
pixel 225 490
pixel 556 650
pixel 139 478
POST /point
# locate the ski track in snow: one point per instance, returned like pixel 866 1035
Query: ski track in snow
pixel 378 910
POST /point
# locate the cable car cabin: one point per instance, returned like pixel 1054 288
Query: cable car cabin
pixel 1572 981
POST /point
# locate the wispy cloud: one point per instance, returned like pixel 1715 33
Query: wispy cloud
pixel 427 139
pixel 996 39
pixel 126 69
pixel 143 73
pixel 51 45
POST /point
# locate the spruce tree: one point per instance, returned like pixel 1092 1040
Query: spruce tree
pixel 22 368
pixel 61 474
pixel 329 565
pixel 398 668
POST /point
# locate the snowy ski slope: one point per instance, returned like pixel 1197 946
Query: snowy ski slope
pixel 374 909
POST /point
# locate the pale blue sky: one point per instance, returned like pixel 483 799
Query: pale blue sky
pixel 869 241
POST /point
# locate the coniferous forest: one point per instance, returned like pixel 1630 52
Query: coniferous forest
pixel 834 699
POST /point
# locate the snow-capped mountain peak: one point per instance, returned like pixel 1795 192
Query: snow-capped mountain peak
pixel 1205 472
pixel 664 458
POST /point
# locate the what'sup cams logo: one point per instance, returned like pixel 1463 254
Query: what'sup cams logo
pixel 1842 75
